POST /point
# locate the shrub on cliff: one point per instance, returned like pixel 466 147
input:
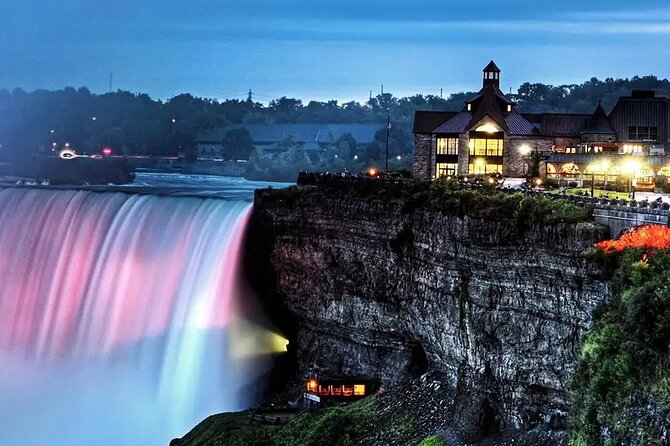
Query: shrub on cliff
pixel 433 440
pixel 622 384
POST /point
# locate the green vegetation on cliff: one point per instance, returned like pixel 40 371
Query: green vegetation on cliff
pixel 336 426
pixel 448 196
pixel 622 384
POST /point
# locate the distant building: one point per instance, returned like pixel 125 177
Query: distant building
pixel 267 137
pixel 489 136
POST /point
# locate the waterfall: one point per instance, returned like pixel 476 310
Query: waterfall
pixel 120 317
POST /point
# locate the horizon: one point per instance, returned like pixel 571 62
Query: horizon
pixel 309 51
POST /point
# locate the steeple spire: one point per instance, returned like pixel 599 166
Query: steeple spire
pixel 492 75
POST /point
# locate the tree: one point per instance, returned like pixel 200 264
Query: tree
pixel 237 144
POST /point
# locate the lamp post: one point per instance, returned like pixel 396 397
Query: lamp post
pixel 388 130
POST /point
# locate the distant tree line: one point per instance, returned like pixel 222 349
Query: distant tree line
pixel 34 122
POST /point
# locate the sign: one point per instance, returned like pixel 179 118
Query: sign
pixel 309 396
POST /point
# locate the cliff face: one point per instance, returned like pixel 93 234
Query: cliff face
pixel 380 290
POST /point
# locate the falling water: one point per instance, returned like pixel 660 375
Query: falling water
pixel 119 316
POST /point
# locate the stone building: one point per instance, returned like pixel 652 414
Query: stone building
pixel 490 136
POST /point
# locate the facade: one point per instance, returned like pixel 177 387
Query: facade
pixel 266 137
pixel 490 136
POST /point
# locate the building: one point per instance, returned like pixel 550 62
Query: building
pixel 267 137
pixel 490 136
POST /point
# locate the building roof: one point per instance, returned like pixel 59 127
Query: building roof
pixel 491 67
pixel 427 121
pixel 557 124
pixel 599 123
pixel 489 102
pixel 301 133
pixel 456 124
pixel 519 125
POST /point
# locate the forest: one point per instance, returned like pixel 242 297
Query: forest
pixel 133 123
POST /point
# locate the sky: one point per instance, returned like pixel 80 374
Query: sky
pixel 320 50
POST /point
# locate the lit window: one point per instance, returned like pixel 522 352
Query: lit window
pixel 447 146
pixel 359 389
pixel 482 168
pixel 509 107
pixel 487 128
pixel 469 107
pixel 486 147
pixel 446 169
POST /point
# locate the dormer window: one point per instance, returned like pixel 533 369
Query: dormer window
pixel 469 107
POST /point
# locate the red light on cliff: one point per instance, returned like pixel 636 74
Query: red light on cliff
pixel 373 172
pixel 647 237
pixel 106 151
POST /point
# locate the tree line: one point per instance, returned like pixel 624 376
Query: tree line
pixel 129 123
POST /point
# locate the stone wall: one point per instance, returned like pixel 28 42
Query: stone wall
pixel 379 290
pixel 424 163
pixel 515 163
pixel 621 218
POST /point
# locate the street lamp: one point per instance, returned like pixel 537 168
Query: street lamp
pixel 631 167
pixel 524 150
pixel 388 130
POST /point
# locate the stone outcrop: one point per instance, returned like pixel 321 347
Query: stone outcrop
pixel 377 289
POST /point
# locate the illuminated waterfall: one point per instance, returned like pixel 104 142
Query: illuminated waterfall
pixel 118 316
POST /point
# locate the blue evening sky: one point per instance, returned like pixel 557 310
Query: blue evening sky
pixel 317 49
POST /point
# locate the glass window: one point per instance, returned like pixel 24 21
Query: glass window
pixel 481 168
pixel 446 169
pixel 486 147
pixel 359 389
pixel 447 146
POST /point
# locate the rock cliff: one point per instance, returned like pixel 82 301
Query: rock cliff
pixel 373 288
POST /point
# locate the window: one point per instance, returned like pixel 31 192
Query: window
pixel 642 133
pixel 486 147
pixel 632 148
pixel 446 169
pixel 481 168
pixel 571 150
pixel 469 107
pixel 359 389
pixel 447 146
pixel 509 108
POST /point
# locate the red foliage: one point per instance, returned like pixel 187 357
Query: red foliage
pixel 648 237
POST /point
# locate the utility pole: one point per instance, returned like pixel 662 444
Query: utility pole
pixel 370 94
pixel 250 96
pixel 441 93
pixel 382 89
pixel 388 130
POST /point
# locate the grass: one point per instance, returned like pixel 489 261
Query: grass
pixel 344 425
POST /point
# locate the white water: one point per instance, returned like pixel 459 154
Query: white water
pixel 119 317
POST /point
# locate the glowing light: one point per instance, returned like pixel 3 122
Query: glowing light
pixel 630 166
pixel 355 157
pixel 480 162
pixel 106 151
pixel 524 149
pixel 373 172
pixel 398 157
pixel 312 385
pixel 538 182
pixel 94 118
pixel 487 128
pixel 67 153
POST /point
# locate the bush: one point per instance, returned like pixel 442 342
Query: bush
pixel 624 358
pixel 433 440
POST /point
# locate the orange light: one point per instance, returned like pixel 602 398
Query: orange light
pixel 359 389
pixel 538 182
pixel 312 385
pixel 373 172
